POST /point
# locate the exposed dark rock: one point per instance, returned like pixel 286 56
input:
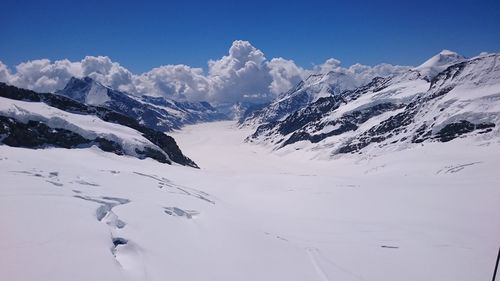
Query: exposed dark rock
pixel 34 134
pixel 454 130
pixel 386 129
pixel 163 141
pixel 119 241
pixel 421 134
pixel 264 129
pixel 150 111
pixel 348 122
pixel 377 84
pixel 109 146
pixel 153 154
pixel 412 109
pixel 251 110
pixel 311 113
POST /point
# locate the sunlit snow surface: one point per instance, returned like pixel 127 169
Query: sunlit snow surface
pixel 425 213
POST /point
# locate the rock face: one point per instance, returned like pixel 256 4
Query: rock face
pixel 36 134
pixel 313 88
pixel 154 112
pixel 445 98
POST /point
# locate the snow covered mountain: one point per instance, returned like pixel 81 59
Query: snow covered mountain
pixel 39 120
pixel 154 112
pixel 314 87
pixel 444 98
pixel 433 66
pixel 304 93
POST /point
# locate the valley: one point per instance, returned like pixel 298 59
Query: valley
pixel 250 141
pixel 424 213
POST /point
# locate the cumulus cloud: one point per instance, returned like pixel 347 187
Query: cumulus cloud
pixel 330 64
pixel 109 73
pixel 244 74
pixel 285 74
pixel 357 74
pixel 4 73
pixel 43 75
pixel 364 72
pixel 176 81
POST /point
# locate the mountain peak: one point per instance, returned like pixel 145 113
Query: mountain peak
pixel 85 90
pixel 446 52
pixel 77 84
pixel 438 63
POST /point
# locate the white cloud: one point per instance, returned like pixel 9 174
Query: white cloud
pixel 4 73
pixel 175 81
pixel 43 75
pixel 364 72
pixel 285 74
pixel 109 73
pixel 359 74
pixel 330 64
pixel 243 74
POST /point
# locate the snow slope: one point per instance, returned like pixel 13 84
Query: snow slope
pixel 88 126
pixel 39 120
pixel 426 213
pixel 310 90
pixel 462 100
pixel 431 67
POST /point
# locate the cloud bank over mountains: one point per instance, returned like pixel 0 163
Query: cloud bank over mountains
pixel 244 74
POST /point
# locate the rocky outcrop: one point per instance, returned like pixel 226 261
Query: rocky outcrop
pixel 36 134
pixel 445 98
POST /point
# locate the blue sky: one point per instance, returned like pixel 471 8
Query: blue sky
pixel 142 35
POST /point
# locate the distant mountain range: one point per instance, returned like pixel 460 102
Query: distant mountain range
pixel 154 112
pixel 446 97
pixel 314 87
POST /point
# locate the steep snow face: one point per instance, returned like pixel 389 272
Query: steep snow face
pixel 396 113
pixel 249 214
pixel 438 63
pixel 480 71
pixel 466 91
pixel 81 89
pixel 97 95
